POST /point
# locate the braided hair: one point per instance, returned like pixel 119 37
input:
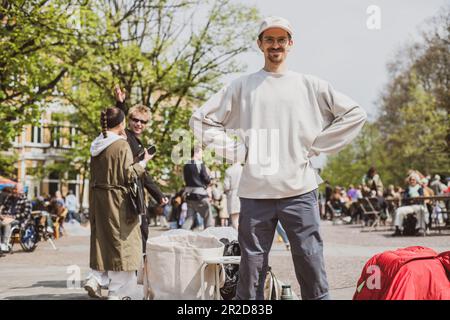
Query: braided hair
pixel 110 118
pixel 104 123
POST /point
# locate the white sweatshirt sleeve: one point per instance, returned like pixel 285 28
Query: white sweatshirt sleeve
pixel 347 117
pixel 210 121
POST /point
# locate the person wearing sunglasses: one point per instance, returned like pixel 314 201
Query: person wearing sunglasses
pixel 138 118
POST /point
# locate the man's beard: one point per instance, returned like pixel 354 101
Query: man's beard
pixel 277 59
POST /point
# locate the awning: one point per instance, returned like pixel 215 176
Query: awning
pixel 5 183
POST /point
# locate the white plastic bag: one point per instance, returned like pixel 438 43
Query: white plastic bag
pixel 174 263
pixel 221 232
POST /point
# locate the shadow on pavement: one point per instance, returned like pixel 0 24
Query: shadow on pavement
pixel 47 284
pixel 431 235
pixel 71 296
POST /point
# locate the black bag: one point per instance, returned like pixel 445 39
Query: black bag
pixel 409 225
pixel 136 196
pixel 228 291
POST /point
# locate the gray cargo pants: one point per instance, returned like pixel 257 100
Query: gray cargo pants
pixel 203 207
pixel 299 217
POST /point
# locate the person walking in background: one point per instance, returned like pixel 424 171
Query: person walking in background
pixel 437 186
pixel 42 204
pixel 72 207
pixel 197 180
pixel 218 203
pixel 231 184
pixel 58 212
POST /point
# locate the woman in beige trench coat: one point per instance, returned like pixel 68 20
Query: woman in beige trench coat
pixel 116 248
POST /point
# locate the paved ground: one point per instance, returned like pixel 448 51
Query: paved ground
pixel 46 273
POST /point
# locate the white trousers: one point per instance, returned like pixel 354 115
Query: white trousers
pixel 120 283
pixel 420 211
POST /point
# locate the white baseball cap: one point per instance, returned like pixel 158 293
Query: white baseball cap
pixel 276 22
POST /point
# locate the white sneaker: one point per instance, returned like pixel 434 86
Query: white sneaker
pixel 4 247
pixel 93 288
pixel 50 230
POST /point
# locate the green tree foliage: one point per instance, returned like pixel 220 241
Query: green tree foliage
pixel 413 128
pixel 35 48
pixel 167 54
pixel 7 168
pixel 350 165
pixel 419 141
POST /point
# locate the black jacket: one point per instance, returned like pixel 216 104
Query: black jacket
pixel 194 178
pixel 136 149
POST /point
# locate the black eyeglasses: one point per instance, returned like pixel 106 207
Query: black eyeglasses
pixel 139 120
pixel 282 42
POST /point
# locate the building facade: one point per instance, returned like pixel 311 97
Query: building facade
pixel 44 145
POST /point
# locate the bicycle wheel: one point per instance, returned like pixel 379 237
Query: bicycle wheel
pixel 14 238
pixel 29 237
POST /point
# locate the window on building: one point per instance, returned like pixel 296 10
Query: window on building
pixel 73 187
pixel 52 188
pixel 36 134
pixel 53 175
pixel 72 175
pixel 72 135
pixel 56 137
pixel 53 184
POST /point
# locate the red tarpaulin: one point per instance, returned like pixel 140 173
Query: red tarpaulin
pixel 413 273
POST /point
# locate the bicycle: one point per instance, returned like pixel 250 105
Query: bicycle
pixel 29 232
pixel 25 233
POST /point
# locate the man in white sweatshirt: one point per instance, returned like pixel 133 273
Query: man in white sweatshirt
pixel 282 118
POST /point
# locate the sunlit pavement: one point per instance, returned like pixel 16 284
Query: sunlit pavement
pixel 52 274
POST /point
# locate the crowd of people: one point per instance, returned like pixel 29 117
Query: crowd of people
pixel 346 202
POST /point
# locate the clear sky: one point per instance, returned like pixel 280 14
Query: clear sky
pixel 333 41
